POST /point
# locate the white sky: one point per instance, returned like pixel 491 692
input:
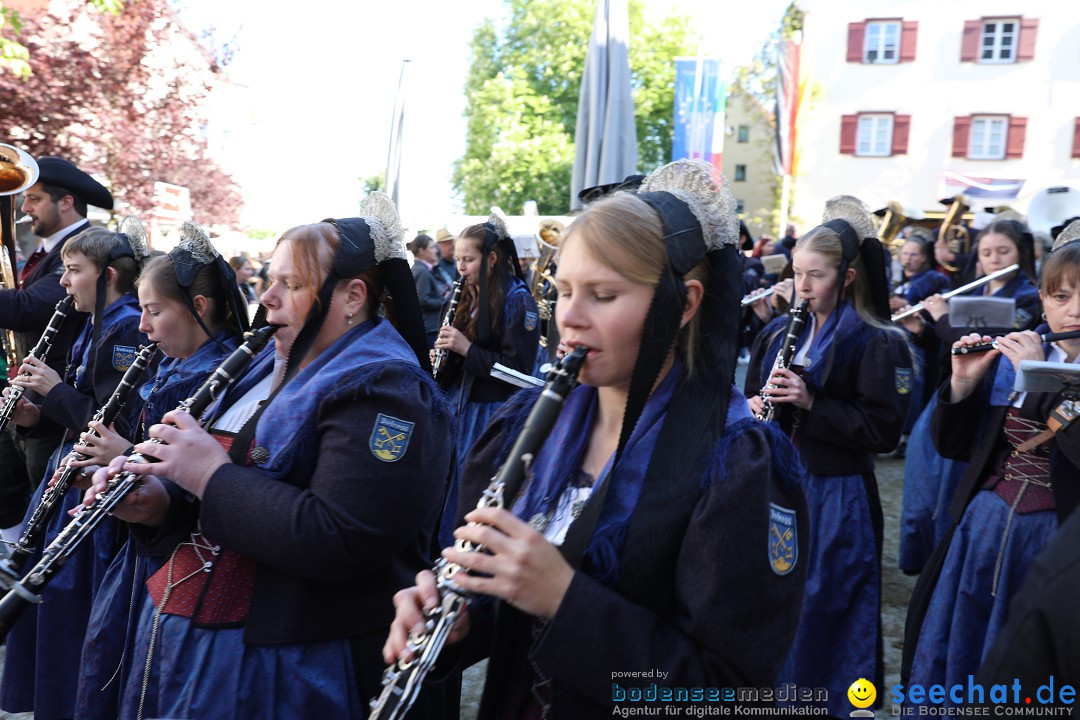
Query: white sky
pixel 319 78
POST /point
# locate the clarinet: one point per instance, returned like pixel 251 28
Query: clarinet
pixel 39 351
pixel 451 311
pixel 28 591
pixel 50 499
pixel 402 681
pixel 796 319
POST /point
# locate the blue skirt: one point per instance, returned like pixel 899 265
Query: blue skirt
pixel 965 614
pixel 836 642
pixel 212 675
pixel 110 634
pixel 917 392
pixel 930 482
pixel 41 669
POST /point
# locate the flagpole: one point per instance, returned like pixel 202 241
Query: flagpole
pixel 785 196
pixel 393 156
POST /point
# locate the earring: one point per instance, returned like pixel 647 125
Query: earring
pixel 1044 317
pixel 348 319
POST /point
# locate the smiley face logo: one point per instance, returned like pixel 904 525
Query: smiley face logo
pixel 862 693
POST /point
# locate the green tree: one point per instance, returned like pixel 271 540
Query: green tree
pixel 522 97
pixel 374 182
pixel 14 57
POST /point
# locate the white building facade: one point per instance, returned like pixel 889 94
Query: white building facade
pixel 914 101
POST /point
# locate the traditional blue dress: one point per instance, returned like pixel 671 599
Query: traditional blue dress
pixel 41 669
pixel 188 666
pixel 1003 528
pixel 727 604
pixel 859 409
pixel 475 395
pixel 930 480
pixel 110 634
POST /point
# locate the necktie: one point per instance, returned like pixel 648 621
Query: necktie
pixel 28 266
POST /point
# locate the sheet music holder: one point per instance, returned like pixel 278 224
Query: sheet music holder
pixel 1039 376
pixel 513 377
pixel 981 312
pixel 774 264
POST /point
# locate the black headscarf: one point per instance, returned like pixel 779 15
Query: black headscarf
pixel 187 264
pixel 697 414
pixel 132 244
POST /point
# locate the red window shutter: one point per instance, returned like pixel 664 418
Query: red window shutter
pixel 969 46
pixel 1014 145
pixel 908 35
pixel 849 129
pixel 1076 139
pixel 961 135
pixel 1025 49
pixel 901 125
pixel 856 34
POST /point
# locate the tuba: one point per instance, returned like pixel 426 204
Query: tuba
pixel 953 232
pixel 540 278
pixel 891 224
pixel 18 171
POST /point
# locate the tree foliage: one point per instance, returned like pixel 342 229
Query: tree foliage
pixel 14 56
pixel 123 96
pixel 522 97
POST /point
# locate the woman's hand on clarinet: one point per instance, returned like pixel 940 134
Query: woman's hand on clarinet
pixel 757 405
pixel 101 449
pixel 411 606
pixel 26 414
pixel 525 569
pixel 452 339
pixel 790 389
pixel 188 456
pixel 1018 346
pixel 146 504
pixel 37 376
pixel 968 370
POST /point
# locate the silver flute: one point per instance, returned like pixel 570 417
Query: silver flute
pixel 755 296
pixel 962 289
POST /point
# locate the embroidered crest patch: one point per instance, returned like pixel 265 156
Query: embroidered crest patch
pixel 783 539
pixel 390 438
pixel 123 356
pixel 531 319
pixel 1021 319
pixel 903 381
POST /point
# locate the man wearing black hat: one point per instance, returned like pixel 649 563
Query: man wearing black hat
pixel 57 204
